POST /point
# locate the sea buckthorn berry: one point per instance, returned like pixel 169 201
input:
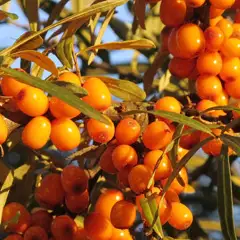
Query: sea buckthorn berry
pixel 69 77
pixel 50 193
pixel 214 38
pixel 215 12
pixel 9 211
pixel 100 132
pixel 124 155
pixel 233 88
pixel 231 47
pixel 164 169
pixel 65 129
pixel 123 214
pixel 14 237
pixel 172 196
pixel 106 162
pixel 35 233
pixel 43 219
pixel 106 201
pixel 77 203
pixel 63 227
pixel 37 132
pixel 157 135
pixel 139 177
pixel 191 41
pixel 223 4
pixel 181 68
pixel 181 153
pixel 99 95
pixel 81 234
pixel 127 131
pixel 209 63
pixel 230 69
pixel 172 43
pixel 32 101
pixel 164 36
pixel 3 130
pixel 181 217
pixel 122 176
pixel 173 12
pixel 226 26
pixel 10 86
pixel 175 185
pixel 221 99
pixel 190 140
pixel 236 30
pixel 237 17
pixel 214 21
pixel 121 234
pixel 208 87
pixel 98 227
pixel 195 3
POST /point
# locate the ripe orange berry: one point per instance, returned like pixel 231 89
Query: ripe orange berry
pixel 230 69
pixel 236 30
pixel 195 3
pixel 226 27
pixel 233 88
pixel 100 132
pixel 181 153
pixel 98 96
pixel 221 99
pixel 74 180
pixel 63 227
pixel 50 193
pixel 77 203
pixel 32 101
pixel 214 38
pixel 36 233
pixel 121 234
pixel 98 227
pixel 181 68
pixel 69 77
pixel 123 214
pixel 231 47
pixel 3 130
pixel 213 21
pixel 43 219
pixel 181 217
pixel 172 196
pixel 164 36
pixel 10 211
pixel 106 201
pixel 175 185
pixel 157 135
pixel 223 4
pixel 127 131
pixel 208 87
pixel 190 140
pixel 164 169
pixel 173 47
pixel 62 129
pixel 10 86
pixel 191 41
pixel 139 177
pixel 122 176
pixel 81 234
pixel 215 12
pixel 209 63
pixel 124 155
pixel 173 12
pixel 37 132
pixel 13 237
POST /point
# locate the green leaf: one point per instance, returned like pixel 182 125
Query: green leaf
pixel 4 15
pixel 233 142
pixel 59 92
pixel 225 200
pixel 79 220
pixel 126 90
pixel 224 108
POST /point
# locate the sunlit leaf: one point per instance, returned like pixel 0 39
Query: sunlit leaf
pixel 79 221
pixel 164 81
pixel 4 15
pixel 224 108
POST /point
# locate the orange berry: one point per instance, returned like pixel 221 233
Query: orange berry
pixel 190 140
pixel 9 211
pixel 69 77
pixel 230 69
pixel 237 17
pixel 100 132
pixel 124 155
pixel 215 12
pixel 74 180
pixel 208 87
pixel 223 4
pixel 122 176
pixel 77 203
pixel 222 99
pixel 13 237
pixel 36 233
pixel 209 63
pixel 43 219
pixel 195 3
pixel 181 153
pixel 32 101
pixel 164 169
pixel 233 88
pixel 214 38
pixel 157 135
pixel 50 193
pixel 123 214
pixel 63 227
pixel 106 201
pixel 139 177
pixel 236 30
pixel 10 86
pixel 226 27
pixel 62 129
pixel 173 12
pixel 98 227
pixel 121 234
pixel 172 43
pixel 169 104
pixel 3 131
pixel 231 47
pixel 181 217
pixel 191 41
pixel 172 196
pixel 37 132
pixel 164 36
pixel 81 234
pixel 98 96
pixel 127 131
pixel 213 21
